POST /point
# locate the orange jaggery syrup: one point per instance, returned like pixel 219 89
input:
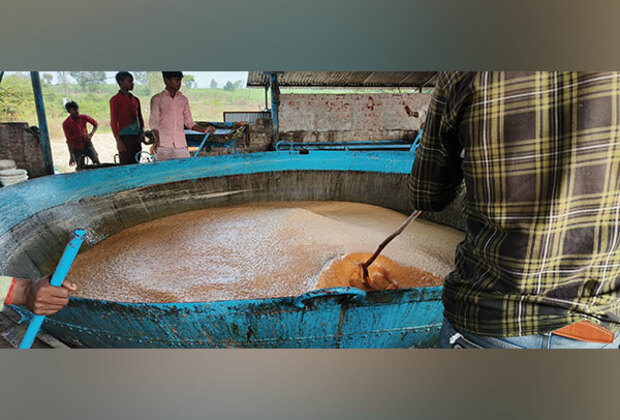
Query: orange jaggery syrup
pixel 383 274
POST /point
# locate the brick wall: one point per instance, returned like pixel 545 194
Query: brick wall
pixel 19 143
pixel 260 136
pixel 345 117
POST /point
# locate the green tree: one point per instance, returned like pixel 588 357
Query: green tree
pixel 190 81
pixel 88 80
pixel 47 78
pixel 229 86
pixel 213 84
pixel 140 77
pixel 154 81
pixel 238 84
pixel 22 75
pixel 62 78
pixel 16 99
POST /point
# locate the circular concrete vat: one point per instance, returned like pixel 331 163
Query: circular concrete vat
pixel 37 217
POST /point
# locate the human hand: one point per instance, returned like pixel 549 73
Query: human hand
pixel 71 161
pixel 209 130
pixel 41 297
pixel 153 149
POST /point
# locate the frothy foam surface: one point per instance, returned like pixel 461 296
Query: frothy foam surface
pixel 253 251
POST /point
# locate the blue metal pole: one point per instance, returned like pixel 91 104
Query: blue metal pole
pixel 204 140
pixel 416 142
pixel 45 136
pixel 273 77
pixel 62 269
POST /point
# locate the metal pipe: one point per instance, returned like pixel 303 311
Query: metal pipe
pixel 68 256
pixel 202 144
pixel 345 145
pixel 45 136
pixel 416 142
pixel 273 82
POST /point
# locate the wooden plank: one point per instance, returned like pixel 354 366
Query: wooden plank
pixel 11 333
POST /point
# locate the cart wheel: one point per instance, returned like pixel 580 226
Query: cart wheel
pixel 149 137
pixel 145 157
pixel 83 161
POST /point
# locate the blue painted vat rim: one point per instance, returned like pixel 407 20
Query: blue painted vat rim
pixel 20 201
pixel 431 290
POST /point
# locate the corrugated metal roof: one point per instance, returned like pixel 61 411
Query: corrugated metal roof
pixel 346 79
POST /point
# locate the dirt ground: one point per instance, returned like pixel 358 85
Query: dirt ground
pixel 106 149
pixel 104 144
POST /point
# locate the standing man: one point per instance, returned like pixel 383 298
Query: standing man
pixel 79 140
pixel 540 155
pixel 126 120
pixel 170 115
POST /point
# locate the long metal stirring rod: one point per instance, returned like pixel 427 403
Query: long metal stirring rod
pixel 202 144
pixel 383 244
pixel 58 277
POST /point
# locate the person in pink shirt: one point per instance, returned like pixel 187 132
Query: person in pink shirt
pixel 170 114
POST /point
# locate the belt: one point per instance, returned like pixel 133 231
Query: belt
pixel 586 331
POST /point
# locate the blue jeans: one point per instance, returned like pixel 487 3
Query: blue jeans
pixel 450 338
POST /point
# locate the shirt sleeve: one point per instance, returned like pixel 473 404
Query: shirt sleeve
pixel 154 118
pixel 66 131
pixel 114 116
pixel 187 115
pixel 5 285
pixel 140 115
pixel 436 175
pixel 91 120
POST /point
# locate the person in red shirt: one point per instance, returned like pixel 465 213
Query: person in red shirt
pixel 79 140
pixel 126 120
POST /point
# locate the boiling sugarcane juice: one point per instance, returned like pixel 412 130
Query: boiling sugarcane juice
pixel 263 251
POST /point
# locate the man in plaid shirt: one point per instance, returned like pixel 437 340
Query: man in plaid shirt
pixel 540 156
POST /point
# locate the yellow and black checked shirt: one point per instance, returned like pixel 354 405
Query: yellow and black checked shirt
pixel 540 155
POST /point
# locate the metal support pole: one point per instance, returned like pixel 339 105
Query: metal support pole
pixel 266 98
pixel 1 76
pixel 202 144
pixel 275 99
pixel 45 136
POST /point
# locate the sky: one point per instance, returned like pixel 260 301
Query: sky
pixel 203 78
